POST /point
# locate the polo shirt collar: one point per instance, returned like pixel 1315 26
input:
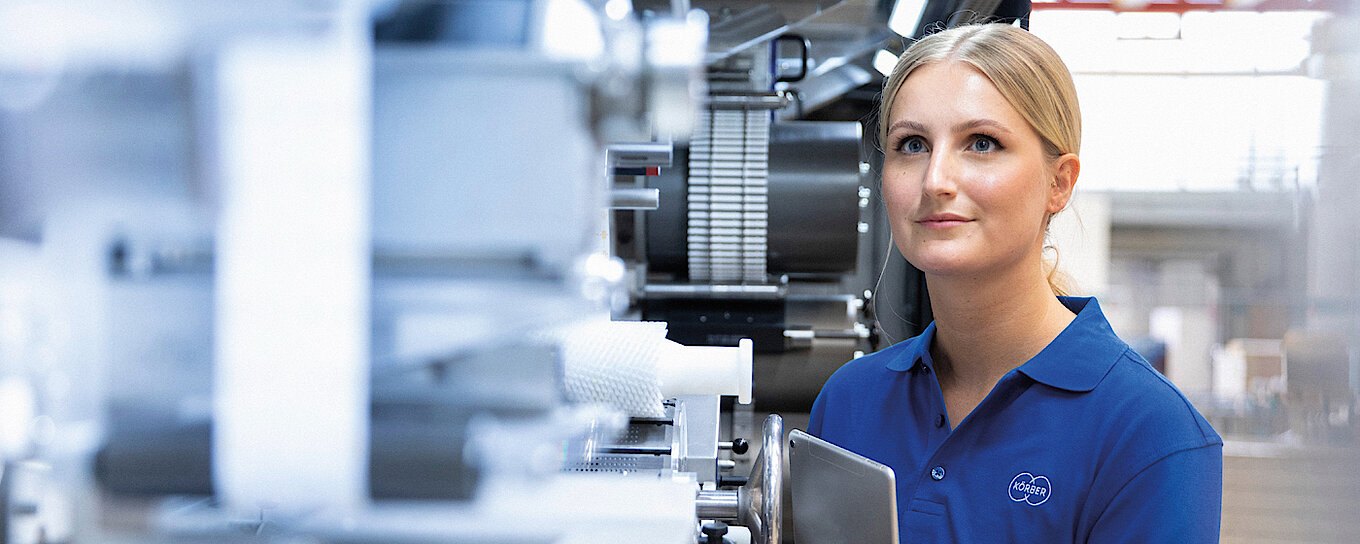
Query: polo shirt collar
pixel 1082 354
pixel 916 354
pixel 1077 360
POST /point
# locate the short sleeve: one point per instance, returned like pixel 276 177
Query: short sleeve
pixel 1178 498
pixel 815 419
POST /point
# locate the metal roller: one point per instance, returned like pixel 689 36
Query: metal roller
pixel 813 199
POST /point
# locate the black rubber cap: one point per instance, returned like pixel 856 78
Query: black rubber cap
pixel 714 531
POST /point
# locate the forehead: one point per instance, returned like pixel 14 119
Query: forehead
pixel 949 92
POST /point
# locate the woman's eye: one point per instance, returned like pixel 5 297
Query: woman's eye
pixel 913 145
pixel 984 144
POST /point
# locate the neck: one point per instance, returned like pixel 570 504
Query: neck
pixel 986 327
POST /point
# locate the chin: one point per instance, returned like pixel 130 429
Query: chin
pixel 945 270
pixel 967 261
pixel 940 263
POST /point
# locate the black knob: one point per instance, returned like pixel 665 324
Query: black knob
pixel 714 531
pixel 740 445
pixel 732 481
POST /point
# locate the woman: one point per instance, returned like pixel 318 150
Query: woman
pixel 1017 415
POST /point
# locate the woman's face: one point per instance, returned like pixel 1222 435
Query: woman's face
pixel 965 177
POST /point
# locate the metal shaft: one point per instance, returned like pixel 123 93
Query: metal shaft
pixel 718 505
pixel 634 198
pixel 637 450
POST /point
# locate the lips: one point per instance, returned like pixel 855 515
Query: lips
pixel 942 220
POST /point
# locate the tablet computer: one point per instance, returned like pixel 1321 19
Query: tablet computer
pixel 839 495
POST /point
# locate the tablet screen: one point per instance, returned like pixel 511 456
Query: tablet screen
pixel 838 495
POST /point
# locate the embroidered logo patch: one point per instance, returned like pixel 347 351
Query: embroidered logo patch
pixel 1030 489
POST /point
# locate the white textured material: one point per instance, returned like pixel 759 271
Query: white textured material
pixel 614 362
pixel 632 366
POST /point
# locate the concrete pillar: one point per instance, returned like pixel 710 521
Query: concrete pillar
pixel 1334 240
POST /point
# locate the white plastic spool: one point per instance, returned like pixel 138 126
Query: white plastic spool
pixel 705 370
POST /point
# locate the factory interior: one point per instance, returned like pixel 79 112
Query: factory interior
pixel 569 271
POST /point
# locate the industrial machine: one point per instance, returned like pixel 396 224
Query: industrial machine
pixel 423 271
pixel 761 231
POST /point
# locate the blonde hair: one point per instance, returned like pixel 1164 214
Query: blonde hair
pixel 1027 72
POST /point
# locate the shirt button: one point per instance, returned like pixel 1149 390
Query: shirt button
pixel 937 473
pixel 939 422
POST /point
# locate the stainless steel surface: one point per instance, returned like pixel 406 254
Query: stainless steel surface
pixel 830 85
pixel 723 291
pixel 739 25
pixel 763 101
pixel 814 196
pixel 762 498
pixel 686 442
pixel 729 35
pixel 824 312
pixel 636 450
pixel 638 155
pixel 697 445
pixel 643 446
pixel 843 38
pixel 840 334
pixel 824 317
pixel 634 198
pixel 719 505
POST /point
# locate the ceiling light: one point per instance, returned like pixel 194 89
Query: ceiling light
pixel 884 61
pixel 906 14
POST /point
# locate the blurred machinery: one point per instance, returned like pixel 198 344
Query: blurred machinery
pixel 345 299
pixel 344 271
pixel 482 271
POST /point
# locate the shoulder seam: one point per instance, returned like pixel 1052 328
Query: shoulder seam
pixel 1185 402
pixel 1174 451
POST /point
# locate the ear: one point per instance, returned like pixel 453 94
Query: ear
pixel 1064 180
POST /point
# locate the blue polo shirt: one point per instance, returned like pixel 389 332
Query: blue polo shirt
pixel 1083 443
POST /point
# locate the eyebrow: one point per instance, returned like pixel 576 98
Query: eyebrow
pixel 961 127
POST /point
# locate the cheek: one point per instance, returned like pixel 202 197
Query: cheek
pixel 899 194
pixel 1018 191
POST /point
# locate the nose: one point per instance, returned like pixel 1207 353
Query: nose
pixel 941 175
